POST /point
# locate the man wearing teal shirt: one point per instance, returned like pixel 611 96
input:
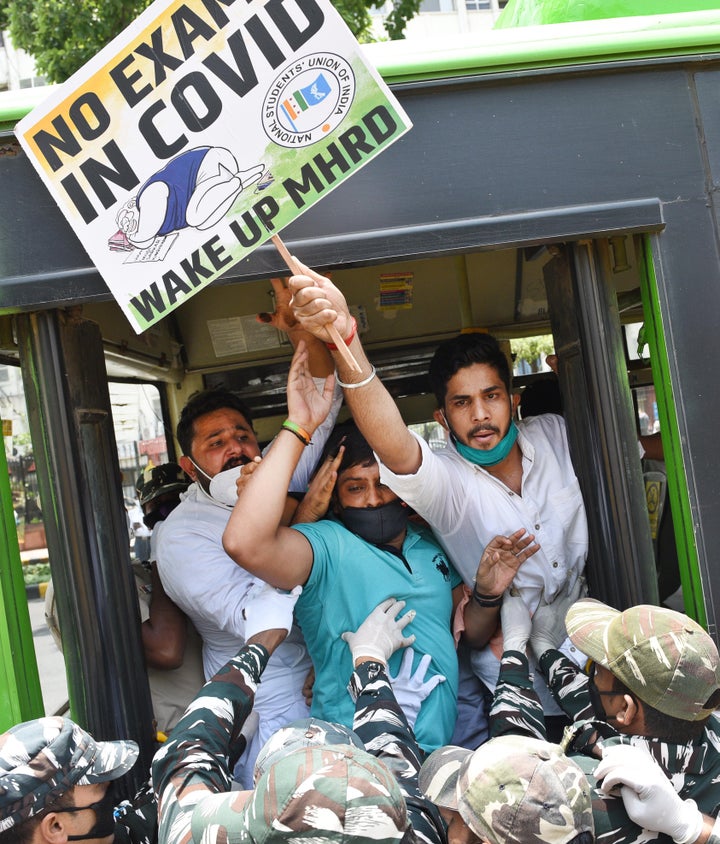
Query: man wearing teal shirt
pixel 348 566
pixel 350 574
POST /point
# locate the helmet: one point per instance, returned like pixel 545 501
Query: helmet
pixel 158 480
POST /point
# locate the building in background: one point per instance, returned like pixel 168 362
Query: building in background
pixel 17 68
pixel 139 434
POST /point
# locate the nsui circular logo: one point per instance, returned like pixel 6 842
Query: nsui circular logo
pixel 308 99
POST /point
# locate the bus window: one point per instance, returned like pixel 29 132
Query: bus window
pixel 432 432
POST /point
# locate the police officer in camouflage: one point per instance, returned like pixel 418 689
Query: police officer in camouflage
pixel 56 785
pixel 646 707
pixel 362 791
pixel 511 790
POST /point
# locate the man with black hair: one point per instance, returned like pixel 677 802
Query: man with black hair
pixel 217 439
pixel 366 552
pixel 494 477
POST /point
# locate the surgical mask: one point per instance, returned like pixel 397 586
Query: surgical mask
pixel 104 817
pixel 376 525
pixel 223 486
pixel 491 456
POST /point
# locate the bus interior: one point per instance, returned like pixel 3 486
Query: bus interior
pixel 565 191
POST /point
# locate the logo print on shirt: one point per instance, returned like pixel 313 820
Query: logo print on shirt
pixel 442 566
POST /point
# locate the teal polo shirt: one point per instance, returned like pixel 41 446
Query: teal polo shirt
pixel 349 578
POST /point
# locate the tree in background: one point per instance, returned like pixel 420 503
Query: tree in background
pixel 531 349
pixel 62 35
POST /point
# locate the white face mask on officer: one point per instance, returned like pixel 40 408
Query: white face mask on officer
pixel 223 486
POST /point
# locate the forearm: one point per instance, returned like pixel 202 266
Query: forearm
pixel 255 522
pixel 199 754
pixel 569 685
pixel 480 623
pixel 381 725
pixel 516 708
pixel 320 362
pixel 164 633
pixel 710 832
pixel 311 456
pixel 377 416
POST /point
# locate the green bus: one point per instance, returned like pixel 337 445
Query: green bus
pixel 560 178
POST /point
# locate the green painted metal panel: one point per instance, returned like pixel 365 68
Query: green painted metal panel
pixel 20 693
pixel 676 475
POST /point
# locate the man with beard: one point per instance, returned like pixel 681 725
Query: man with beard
pixel 493 478
pixel 216 437
pixel 365 553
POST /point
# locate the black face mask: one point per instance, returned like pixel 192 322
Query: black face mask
pixel 376 525
pixel 104 817
pixel 596 702
pixel 160 513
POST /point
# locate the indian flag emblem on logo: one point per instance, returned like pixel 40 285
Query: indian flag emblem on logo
pixel 308 99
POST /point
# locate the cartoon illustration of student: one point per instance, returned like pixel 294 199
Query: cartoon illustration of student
pixel 196 188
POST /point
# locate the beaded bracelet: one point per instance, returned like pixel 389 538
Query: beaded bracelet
pixel 348 340
pixel 358 383
pixel 299 432
pixel 486 600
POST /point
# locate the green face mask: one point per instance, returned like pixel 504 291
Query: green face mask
pixel 491 456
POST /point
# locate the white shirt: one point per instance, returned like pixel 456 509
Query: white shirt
pixel 466 507
pixel 212 590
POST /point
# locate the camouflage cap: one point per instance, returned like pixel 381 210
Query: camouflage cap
pixel 325 794
pixel 159 480
pixel 520 790
pixel 40 760
pixel 439 774
pixel 305 732
pixel 662 656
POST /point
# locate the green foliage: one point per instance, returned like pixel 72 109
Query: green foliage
pixel 36 573
pixel 530 349
pixel 403 11
pixel 63 34
pixel 356 16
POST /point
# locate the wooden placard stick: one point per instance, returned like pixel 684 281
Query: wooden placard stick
pixel 332 331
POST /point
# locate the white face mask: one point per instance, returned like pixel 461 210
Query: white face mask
pixel 223 486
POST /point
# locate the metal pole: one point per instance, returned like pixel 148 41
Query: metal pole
pixel 601 430
pixel 79 478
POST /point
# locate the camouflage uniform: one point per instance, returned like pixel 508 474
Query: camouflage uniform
pixel 512 790
pixel 41 760
pixel 191 771
pixel 382 727
pixel 694 767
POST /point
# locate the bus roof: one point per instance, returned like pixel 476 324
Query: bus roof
pixel 549 45
pixel 504 50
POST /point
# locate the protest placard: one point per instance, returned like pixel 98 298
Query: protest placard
pixel 199 132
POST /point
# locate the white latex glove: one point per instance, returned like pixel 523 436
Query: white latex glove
pixel 515 621
pixel 411 689
pixel 381 634
pixel 270 609
pixel 548 622
pixel 649 797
